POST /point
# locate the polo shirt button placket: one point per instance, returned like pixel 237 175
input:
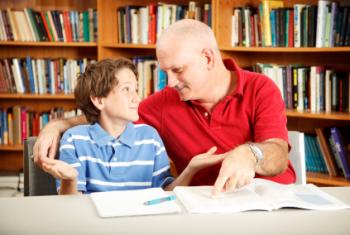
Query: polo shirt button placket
pixel 115 158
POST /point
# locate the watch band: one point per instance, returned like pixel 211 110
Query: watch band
pixel 257 152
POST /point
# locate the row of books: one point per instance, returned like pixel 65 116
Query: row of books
pixel 40 76
pixel 271 24
pixel 143 25
pixel 18 123
pixel 52 25
pixel 334 144
pixel 327 151
pixel 313 88
pixel 314 160
pixel 151 77
pixel 55 76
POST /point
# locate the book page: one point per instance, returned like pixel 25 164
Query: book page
pixel 259 195
pixel 298 196
pixel 131 203
pixel 198 199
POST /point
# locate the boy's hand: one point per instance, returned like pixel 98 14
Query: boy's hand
pixel 204 160
pixel 60 169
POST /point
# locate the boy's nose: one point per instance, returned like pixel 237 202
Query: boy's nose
pixel 136 98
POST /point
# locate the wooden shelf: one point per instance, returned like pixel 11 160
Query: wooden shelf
pixel 50 44
pixel 323 179
pixel 286 49
pixel 129 45
pixel 12 147
pixel 36 96
pixel 335 58
pixel 321 115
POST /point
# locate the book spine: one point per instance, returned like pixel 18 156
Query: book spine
pixel 337 137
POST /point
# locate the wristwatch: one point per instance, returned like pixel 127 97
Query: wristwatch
pixel 257 152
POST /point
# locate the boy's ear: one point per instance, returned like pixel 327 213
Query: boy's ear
pixel 97 101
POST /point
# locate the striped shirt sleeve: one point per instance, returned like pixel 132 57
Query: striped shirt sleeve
pixel 68 154
pixel 161 173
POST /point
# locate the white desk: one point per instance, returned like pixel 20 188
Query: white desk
pixel 76 215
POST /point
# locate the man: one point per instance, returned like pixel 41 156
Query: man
pixel 208 102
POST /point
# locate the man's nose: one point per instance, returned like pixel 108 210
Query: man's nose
pixel 172 81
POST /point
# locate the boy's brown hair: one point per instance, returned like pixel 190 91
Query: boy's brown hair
pixel 97 81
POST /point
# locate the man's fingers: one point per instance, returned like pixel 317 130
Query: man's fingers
pixel 231 184
pixel 35 152
pixel 219 184
pixel 53 149
pixel 46 166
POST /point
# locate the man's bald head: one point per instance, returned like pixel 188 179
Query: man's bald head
pixel 187 32
pixel 187 52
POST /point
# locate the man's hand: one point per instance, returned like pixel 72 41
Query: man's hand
pixel 46 145
pixel 60 169
pixel 204 160
pixel 237 170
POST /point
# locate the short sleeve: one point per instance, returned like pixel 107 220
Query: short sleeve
pixel 68 154
pixel 161 176
pixel 270 119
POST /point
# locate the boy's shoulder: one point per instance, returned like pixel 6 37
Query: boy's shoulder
pixel 145 129
pixel 78 130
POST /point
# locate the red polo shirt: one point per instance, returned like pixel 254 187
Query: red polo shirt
pixel 254 111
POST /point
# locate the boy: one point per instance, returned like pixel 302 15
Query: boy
pixel 112 153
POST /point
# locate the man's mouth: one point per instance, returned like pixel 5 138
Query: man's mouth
pixel 180 88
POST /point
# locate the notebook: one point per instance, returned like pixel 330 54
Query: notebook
pixel 259 195
pixel 131 203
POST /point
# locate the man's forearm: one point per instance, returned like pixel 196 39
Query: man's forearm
pixel 275 157
pixel 63 124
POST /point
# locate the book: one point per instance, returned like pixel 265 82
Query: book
pixel 341 149
pixel 131 203
pixel 297 155
pixel 322 138
pixel 259 195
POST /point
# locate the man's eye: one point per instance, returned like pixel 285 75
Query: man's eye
pixel 126 89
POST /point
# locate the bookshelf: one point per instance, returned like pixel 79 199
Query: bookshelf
pixel 11 155
pixel 334 57
pixel 108 46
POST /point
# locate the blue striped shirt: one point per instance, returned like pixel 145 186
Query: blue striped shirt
pixel 136 160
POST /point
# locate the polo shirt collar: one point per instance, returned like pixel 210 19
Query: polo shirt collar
pixel 102 137
pixel 129 135
pixel 231 65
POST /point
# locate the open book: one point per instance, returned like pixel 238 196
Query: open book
pixel 259 195
pixel 132 202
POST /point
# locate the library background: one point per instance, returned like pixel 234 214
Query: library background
pixel 303 45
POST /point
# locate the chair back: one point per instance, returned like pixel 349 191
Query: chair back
pixel 297 155
pixel 36 181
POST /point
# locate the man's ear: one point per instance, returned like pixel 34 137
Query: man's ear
pixel 208 54
pixel 97 101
